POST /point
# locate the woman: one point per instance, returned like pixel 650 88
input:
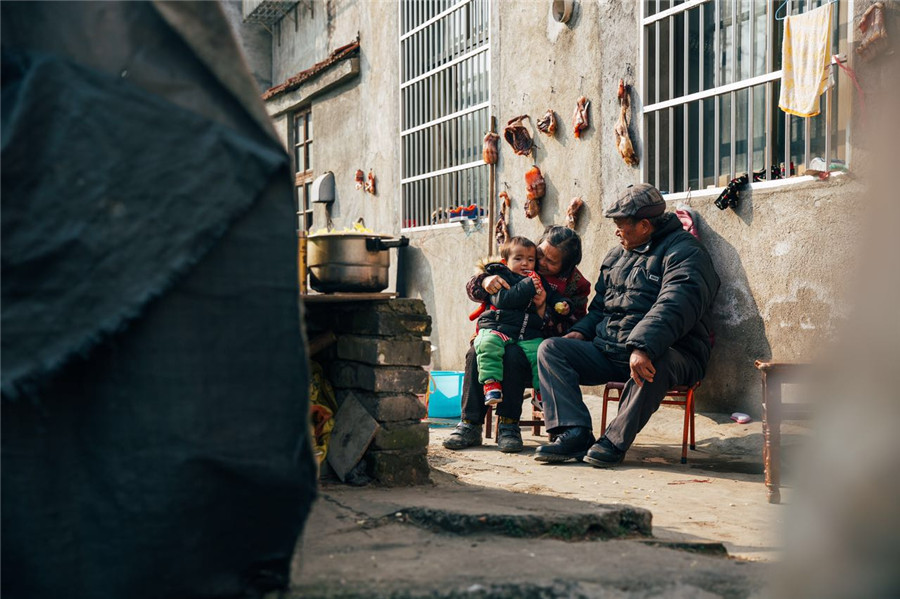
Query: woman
pixel 559 252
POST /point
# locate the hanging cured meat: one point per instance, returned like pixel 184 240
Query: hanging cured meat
pixel 547 123
pixel 572 211
pixel 501 229
pixel 534 188
pixel 489 152
pixel 581 119
pixel 874 34
pixel 370 183
pixel 623 137
pixel 518 137
pixel 360 178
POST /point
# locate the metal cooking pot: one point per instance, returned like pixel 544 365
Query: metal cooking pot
pixel 354 262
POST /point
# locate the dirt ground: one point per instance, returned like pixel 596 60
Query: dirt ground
pixel 719 495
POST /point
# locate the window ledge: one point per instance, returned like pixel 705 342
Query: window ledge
pixel 714 192
pixel 438 227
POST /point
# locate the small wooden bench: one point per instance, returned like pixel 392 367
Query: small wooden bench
pixel 774 375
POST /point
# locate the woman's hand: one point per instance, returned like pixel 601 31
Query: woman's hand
pixel 494 283
pixel 574 335
pixel 641 367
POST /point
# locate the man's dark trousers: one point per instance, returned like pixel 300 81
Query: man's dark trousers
pixel 566 364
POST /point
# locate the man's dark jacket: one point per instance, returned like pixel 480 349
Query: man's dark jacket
pixel 512 310
pixel 654 297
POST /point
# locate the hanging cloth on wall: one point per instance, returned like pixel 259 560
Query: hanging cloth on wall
pixel 805 55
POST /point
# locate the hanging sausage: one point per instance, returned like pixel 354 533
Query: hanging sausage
pixel 501 229
pixel 572 211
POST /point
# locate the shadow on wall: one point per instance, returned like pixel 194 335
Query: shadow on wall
pixel 731 379
pixel 418 281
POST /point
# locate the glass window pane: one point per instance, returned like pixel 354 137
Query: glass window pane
pixel 724 166
pixel 664 62
pixel 727 38
pixel 760 46
pixel 759 129
pixel 677 150
pixel 742 39
pixel 651 149
pixel 709 44
pixel 678 55
pixel 709 142
pixel 301 158
pixel 308 151
pixel 694 50
pixel 650 40
pixel 309 126
pixel 693 129
pixel 665 149
pixel 741 100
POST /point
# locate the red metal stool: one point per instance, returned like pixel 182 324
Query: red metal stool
pixel 677 396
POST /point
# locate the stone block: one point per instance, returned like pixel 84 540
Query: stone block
pixel 391 407
pixel 398 468
pixel 380 379
pixel 380 351
pixel 408 435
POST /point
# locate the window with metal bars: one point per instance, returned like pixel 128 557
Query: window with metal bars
pixel 711 83
pixel 301 138
pixel 445 107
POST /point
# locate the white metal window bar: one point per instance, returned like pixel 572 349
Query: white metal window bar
pixel 710 78
pixel 445 107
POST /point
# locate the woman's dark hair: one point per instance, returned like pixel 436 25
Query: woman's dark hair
pixel 507 247
pixel 568 242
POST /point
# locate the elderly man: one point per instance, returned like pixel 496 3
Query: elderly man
pixel 648 322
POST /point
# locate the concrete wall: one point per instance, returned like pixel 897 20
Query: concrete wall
pixel 784 256
pixel 356 122
pixel 255 42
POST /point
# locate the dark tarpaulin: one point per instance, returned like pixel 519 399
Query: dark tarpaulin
pixel 154 378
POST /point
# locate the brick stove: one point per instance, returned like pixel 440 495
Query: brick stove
pixel 378 360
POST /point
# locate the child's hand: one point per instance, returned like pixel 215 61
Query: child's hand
pixel 540 298
pixel 562 308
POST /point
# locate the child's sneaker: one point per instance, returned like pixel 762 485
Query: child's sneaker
pixel 493 393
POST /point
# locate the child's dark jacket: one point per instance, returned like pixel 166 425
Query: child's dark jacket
pixel 512 308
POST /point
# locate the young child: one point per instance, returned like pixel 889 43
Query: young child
pixel 514 315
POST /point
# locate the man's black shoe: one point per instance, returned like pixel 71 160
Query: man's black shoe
pixel 604 454
pixel 569 444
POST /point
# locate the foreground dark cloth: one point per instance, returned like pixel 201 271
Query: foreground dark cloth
pixel 155 437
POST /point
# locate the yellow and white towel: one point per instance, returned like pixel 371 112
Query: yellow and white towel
pixel 805 55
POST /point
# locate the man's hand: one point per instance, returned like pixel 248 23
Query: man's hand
pixel 574 335
pixel 494 283
pixel 641 368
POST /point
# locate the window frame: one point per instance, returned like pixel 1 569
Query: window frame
pixel 694 105
pixel 444 97
pixel 302 178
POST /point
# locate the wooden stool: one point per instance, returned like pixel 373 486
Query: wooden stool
pixel 536 422
pixel 775 374
pixel 677 396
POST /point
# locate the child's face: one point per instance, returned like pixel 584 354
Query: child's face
pixel 521 259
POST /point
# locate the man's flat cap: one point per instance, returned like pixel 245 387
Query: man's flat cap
pixel 638 201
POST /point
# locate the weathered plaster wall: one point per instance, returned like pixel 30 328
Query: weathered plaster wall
pixel 784 256
pixel 356 123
